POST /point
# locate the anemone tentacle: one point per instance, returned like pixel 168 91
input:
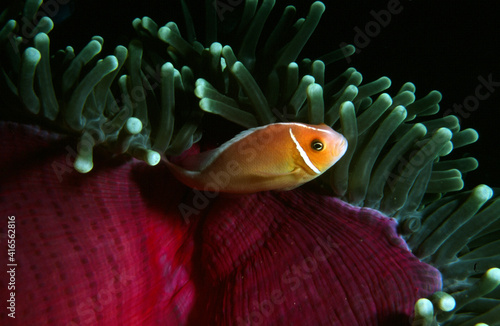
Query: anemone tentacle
pixel 150 99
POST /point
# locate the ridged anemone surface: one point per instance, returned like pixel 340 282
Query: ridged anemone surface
pixel 376 241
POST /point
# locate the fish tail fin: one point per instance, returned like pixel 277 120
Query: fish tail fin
pixel 187 177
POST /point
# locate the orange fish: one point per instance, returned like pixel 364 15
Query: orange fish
pixel 279 156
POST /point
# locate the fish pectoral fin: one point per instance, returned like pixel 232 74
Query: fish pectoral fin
pixel 267 174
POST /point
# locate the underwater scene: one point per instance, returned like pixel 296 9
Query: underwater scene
pixel 261 162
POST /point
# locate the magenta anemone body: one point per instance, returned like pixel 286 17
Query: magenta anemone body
pixel 129 245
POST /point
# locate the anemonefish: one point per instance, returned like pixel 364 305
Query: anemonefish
pixel 279 156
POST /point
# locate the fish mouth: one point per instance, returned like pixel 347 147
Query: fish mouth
pixel 342 147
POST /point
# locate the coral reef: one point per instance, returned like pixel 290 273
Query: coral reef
pixel 156 96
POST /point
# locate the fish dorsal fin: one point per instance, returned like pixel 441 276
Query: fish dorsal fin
pixel 200 161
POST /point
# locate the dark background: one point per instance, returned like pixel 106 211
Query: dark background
pixel 443 45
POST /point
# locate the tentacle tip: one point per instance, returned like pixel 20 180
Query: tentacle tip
pixel 41 37
pixel 216 47
pixel 447 303
pixel 386 81
pixel 345 107
pixel 164 33
pixel 445 133
pixel 438 95
pixel 352 89
pixel 32 54
pixel 308 79
pixel 424 308
pixel 314 90
pixel 83 165
pixel 153 158
pixel 421 128
pixel 424 313
pixel 349 49
pixel 474 135
pixel 49 22
pixel 199 91
pixel 483 192
pixel 11 24
pixel 401 110
pixel 167 68
pixel 136 21
pixel 96 45
pixel 318 5
pixel 133 126
pixel 493 274
pixel 386 98
pixel 112 61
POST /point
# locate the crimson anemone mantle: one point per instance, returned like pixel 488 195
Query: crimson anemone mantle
pixel 125 243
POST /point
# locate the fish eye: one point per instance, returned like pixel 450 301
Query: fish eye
pixel 317 145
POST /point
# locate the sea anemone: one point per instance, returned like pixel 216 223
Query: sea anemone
pixel 378 239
